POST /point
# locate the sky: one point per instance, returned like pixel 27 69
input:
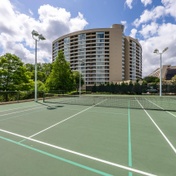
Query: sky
pixel 152 22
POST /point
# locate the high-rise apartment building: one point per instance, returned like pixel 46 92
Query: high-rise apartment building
pixel 102 55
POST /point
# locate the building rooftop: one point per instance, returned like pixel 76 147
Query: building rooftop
pixel 168 72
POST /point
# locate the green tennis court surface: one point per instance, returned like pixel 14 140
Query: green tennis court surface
pixel 84 136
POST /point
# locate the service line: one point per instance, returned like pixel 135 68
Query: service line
pixel 64 120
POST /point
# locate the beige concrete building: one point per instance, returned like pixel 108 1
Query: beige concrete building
pixel 102 55
pixel 167 71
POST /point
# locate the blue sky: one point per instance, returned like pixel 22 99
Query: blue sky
pixel 152 22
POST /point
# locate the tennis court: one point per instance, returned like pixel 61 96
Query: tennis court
pixel 88 136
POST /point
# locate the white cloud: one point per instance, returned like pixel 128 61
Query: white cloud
pixel 149 30
pixel 152 15
pixel 16 27
pixel 157 35
pixel 133 33
pixel 166 37
pixel 158 12
pixel 30 12
pixel 146 2
pixel 125 25
pixel 170 6
pixel 129 3
pixel 75 24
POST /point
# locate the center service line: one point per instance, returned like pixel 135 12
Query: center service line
pixel 64 120
pixel 129 140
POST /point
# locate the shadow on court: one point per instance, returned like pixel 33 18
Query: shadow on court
pixel 49 107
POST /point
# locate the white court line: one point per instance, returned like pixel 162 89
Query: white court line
pixel 171 113
pixel 161 108
pixel 114 113
pixel 80 154
pixel 16 112
pixel 64 120
pixel 21 107
pixel 167 140
pixel 20 115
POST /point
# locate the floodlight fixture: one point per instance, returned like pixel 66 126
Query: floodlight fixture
pixel 35 33
pixel 165 49
pixel 156 51
pixel 37 37
pixel 41 37
pixel 160 53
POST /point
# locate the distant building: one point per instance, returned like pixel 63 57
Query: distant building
pixel 102 55
pixel 168 72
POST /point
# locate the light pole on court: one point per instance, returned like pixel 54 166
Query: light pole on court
pixel 37 37
pixel 160 53
pixel 80 63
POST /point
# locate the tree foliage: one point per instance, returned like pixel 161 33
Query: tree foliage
pixel 151 79
pixel 174 80
pixel 43 71
pixel 13 74
pixel 61 77
pixel 76 77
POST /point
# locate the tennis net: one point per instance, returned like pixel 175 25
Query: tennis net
pixel 136 102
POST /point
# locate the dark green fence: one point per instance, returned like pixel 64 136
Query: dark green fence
pixel 16 96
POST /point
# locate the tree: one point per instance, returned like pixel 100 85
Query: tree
pixel 174 80
pixel 76 77
pixel 151 79
pixel 13 74
pixel 43 71
pixel 124 88
pixel 61 77
pixel 130 87
pixel 137 88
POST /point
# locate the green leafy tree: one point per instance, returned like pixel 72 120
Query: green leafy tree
pixel 43 71
pixel 46 69
pixel 61 77
pixel 151 79
pixel 130 87
pixel 124 88
pixel 76 77
pixel 137 88
pixel 41 86
pixel 13 74
pixel 174 80
pixel 144 86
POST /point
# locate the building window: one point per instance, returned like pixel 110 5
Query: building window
pixel 81 36
pixel 100 34
pixel 66 40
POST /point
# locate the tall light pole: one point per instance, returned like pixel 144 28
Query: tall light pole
pixel 80 62
pixel 37 37
pixel 160 53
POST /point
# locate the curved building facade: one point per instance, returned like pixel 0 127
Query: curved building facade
pixel 102 55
